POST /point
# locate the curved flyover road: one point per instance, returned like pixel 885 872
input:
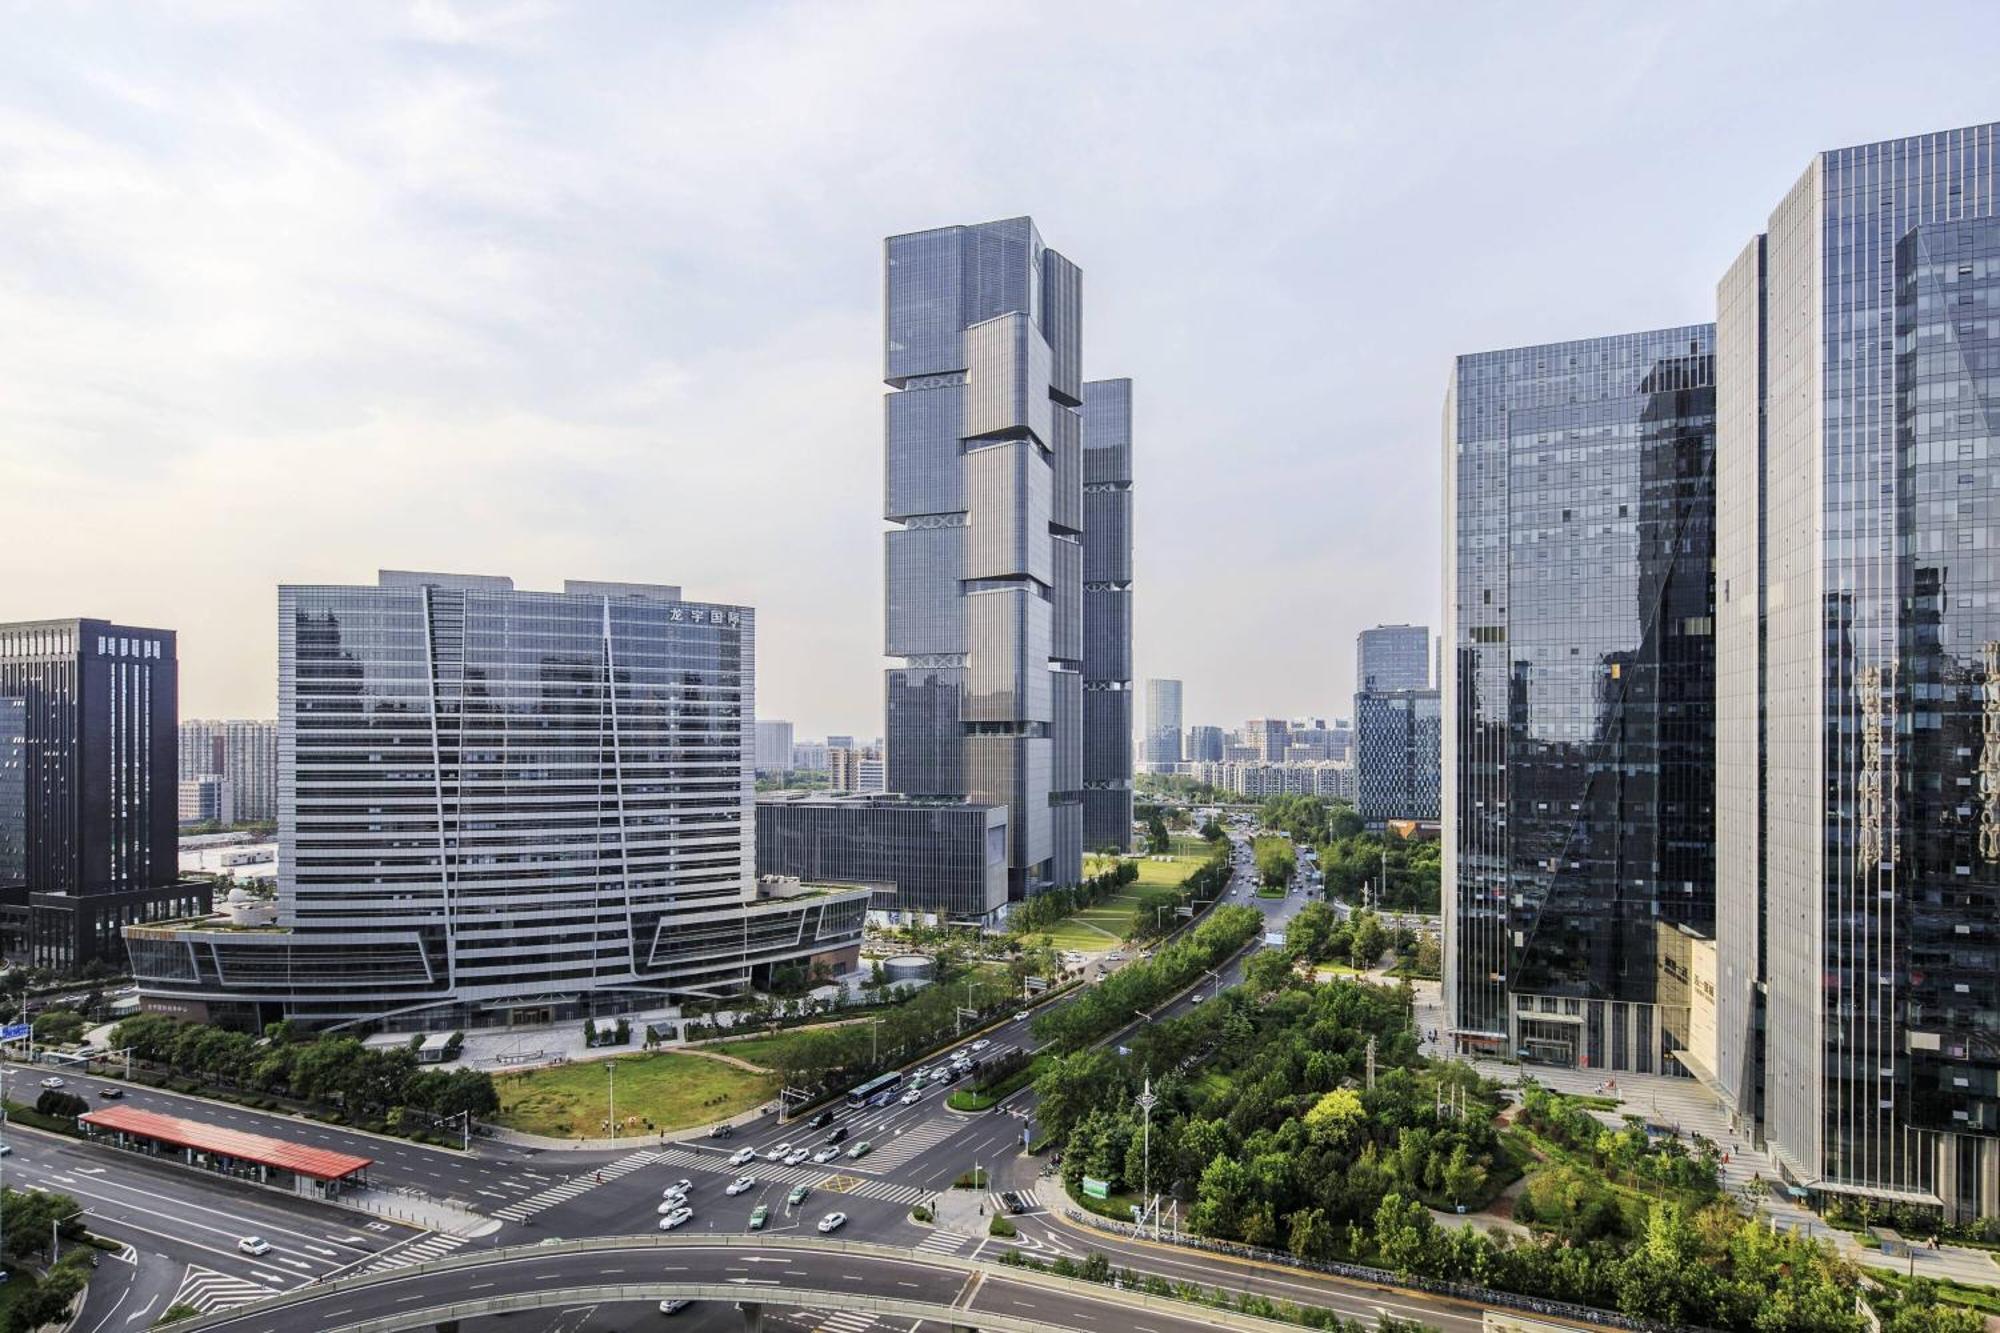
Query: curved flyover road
pixel 777 1272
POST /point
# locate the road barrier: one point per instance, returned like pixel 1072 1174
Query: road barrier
pixel 844 1297
pixel 1464 1291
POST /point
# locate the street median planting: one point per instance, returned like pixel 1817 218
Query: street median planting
pixel 664 1091
pixel 1143 986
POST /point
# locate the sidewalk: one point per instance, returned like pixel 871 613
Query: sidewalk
pixel 421 1210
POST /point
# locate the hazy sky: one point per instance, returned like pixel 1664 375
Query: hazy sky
pixel 294 293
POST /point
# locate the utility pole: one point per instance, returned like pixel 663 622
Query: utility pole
pixel 611 1096
pixel 1371 1064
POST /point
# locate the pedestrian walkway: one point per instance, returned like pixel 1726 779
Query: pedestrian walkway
pixel 846 1321
pixel 422 1250
pixel 575 1185
pixel 209 1291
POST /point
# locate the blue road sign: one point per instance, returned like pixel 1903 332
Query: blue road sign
pixel 14 1031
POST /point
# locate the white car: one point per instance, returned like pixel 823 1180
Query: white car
pixel 981 1044
pixel 254 1245
pixel 678 1217
pixel 738 1185
pixel 797 1155
pixel 742 1155
pixel 777 1154
pixel 681 1186
pixel 674 1306
pixel 913 1096
pixel 673 1203
pixel 52 1082
pixel 825 1155
pixel 833 1222
pixel 1199 998
pixel 920 1075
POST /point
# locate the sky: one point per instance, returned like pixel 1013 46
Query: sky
pixel 291 293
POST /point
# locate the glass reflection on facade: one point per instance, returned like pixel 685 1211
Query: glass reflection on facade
pixel 1393 657
pixel 943 860
pixel 1396 754
pixel 985 571
pixel 1578 797
pixel 1862 350
pixel 501 805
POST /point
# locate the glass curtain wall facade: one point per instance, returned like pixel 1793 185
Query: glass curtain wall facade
pixel 1393 657
pixel 1578 783
pixel 1107 615
pixel 1862 341
pixel 942 860
pixel 1396 755
pixel 1163 725
pixel 503 805
pixel 984 568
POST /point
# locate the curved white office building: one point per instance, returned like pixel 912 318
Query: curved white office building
pixel 504 806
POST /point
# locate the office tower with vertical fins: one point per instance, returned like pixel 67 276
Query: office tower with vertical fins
pixel 1858 447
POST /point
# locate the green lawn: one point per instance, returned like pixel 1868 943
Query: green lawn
pixel 668 1088
pixel 1104 927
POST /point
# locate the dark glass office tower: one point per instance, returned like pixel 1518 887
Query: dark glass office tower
pixel 1578 787
pixel 1107 615
pixel 1396 749
pixel 1859 853
pixel 98 717
pixel 984 568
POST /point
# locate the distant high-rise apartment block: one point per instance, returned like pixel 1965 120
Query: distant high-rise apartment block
pixel 774 746
pixel 1578 773
pixel 242 751
pixel 984 482
pixel 99 794
pixel 207 800
pixel 1255 778
pixel 841 743
pixel 1163 725
pixel 809 756
pixel 856 769
pixel 1204 745
pixel 502 806
pixel 1107 615
pixel 1270 737
pixel 1392 657
pixel 1858 623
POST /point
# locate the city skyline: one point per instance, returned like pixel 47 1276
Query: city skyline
pixel 500 336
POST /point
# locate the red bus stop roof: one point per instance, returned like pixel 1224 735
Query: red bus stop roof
pixel 319 1163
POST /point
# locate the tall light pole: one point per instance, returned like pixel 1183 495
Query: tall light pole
pixel 611 1096
pixel 1146 1103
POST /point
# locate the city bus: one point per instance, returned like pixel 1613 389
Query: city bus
pixel 875 1091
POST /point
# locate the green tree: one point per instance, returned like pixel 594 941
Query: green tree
pixel 1404 1235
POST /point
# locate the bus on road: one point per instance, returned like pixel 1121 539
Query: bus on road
pixel 876 1091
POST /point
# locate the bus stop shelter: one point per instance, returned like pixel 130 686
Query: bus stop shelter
pixel 315 1172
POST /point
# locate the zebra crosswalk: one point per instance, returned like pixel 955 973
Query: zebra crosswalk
pixel 875 1189
pixel 844 1321
pixel 888 1156
pixel 435 1245
pixel 944 1242
pixel 1031 1197
pixel 209 1291
pixel 575 1185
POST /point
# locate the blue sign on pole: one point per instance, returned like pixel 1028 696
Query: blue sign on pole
pixel 14 1031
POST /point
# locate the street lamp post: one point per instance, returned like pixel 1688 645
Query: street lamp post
pixel 611 1096
pixel 1146 1103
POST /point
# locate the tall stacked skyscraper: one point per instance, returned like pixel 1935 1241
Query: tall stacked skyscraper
pixel 1832 970
pixel 985 484
pixel 1107 614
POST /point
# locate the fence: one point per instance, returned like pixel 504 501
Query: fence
pixel 1463 1291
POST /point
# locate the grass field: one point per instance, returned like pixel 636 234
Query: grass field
pixel 1104 927
pixel 670 1089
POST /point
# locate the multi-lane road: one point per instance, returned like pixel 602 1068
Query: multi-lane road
pixel 188 1249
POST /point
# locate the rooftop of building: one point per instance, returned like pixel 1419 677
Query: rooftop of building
pixel 874 799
